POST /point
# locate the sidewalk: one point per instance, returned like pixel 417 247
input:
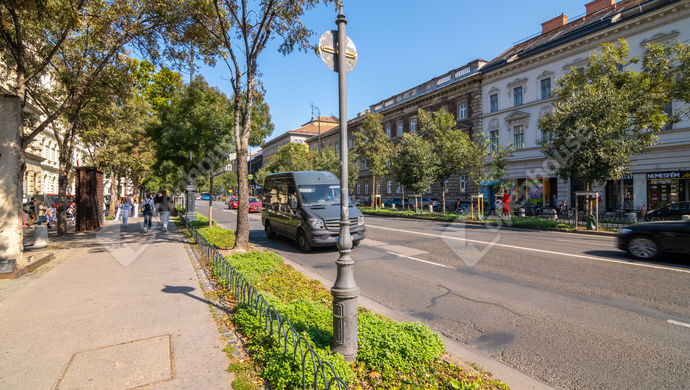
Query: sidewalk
pixel 115 310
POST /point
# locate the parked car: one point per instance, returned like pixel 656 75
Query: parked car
pixel 305 207
pixel 254 205
pixel 397 202
pixel 233 202
pixel 672 212
pixel 648 241
pixel 426 201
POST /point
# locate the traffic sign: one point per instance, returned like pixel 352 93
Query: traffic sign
pixel 328 50
pixel 251 177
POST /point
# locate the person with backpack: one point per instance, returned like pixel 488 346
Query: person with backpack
pixel 164 210
pixel 147 207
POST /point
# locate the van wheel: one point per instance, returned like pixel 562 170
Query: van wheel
pixel 269 231
pixel 302 241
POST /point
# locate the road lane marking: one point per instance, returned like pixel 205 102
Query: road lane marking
pixel 533 249
pixel 678 323
pixel 419 260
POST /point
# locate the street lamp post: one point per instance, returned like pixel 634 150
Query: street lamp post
pixel 337 46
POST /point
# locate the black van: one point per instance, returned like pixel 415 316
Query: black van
pixel 305 206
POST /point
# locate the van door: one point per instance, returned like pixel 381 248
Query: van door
pixel 293 216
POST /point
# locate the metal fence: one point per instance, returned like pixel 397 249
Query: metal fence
pixel 277 326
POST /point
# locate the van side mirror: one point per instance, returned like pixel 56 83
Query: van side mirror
pixel 292 204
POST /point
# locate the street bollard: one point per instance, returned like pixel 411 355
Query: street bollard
pixel 41 236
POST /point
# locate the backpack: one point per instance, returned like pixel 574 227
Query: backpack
pixel 147 207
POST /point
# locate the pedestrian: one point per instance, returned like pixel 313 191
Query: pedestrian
pixel 499 207
pixel 118 211
pixel 136 207
pixel 125 207
pixel 156 201
pixel 52 215
pixel 506 204
pixel 164 210
pixel 563 208
pixel 32 211
pixel 147 207
pixel 42 217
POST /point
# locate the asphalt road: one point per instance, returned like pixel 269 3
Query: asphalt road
pixel 568 309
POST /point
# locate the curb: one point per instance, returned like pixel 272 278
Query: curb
pixel 535 228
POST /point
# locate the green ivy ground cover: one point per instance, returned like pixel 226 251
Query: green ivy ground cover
pixel 391 355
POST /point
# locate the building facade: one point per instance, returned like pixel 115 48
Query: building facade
pixel 517 86
pixel 457 91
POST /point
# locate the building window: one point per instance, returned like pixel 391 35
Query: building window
pixel 446 186
pixel 413 125
pixel 519 137
pixel 493 102
pixel 493 140
pixel 517 96
pixel 546 136
pixel 462 112
pixel 337 148
pixel 349 143
pixel 463 184
pixel 366 188
pixel 388 187
pixel 546 88
pixel 668 109
pixel 388 131
pixel 400 129
pixel 378 188
pixel 358 189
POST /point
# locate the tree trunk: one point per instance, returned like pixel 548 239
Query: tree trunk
pixel 210 199
pixel 242 232
pixel 112 209
pixel 588 200
pixel 402 198
pixel 63 182
pixel 443 196
pixel 373 190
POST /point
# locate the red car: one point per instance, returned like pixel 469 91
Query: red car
pixel 233 202
pixel 254 205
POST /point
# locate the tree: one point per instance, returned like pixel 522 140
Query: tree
pixel 485 162
pixel 668 69
pixel 449 146
pixel 71 43
pixel 593 144
pixel 413 164
pixel 198 120
pixel 242 31
pixel 372 145
pixel 329 160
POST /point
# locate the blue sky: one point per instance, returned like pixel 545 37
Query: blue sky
pixel 400 44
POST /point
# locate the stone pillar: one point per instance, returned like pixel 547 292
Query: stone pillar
pixel 11 237
pixel 190 193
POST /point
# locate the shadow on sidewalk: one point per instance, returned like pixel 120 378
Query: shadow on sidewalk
pixel 186 290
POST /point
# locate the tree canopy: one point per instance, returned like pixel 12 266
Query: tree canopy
pixel 374 147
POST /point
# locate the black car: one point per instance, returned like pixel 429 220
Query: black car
pixel 648 241
pixel 672 212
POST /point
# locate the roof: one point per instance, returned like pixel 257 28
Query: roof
pixel 322 124
pixel 577 28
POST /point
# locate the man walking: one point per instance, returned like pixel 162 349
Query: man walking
pixel 147 207
pixel 164 210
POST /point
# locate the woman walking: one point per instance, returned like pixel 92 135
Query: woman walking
pixel 125 207
pixel 136 206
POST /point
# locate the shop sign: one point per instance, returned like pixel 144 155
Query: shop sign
pixel 664 175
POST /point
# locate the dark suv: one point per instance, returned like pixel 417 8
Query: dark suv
pixel 672 212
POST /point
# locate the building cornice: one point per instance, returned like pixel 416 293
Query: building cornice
pixel 654 19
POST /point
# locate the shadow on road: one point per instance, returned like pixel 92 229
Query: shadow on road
pixel 674 260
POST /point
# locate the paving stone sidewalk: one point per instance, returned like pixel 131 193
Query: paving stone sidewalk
pixel 116 310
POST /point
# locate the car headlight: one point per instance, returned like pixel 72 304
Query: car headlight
pixel 360 220
pixel 624 230
pixel 315 223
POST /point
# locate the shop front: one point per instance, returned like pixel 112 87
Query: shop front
pixel 539 192
pixel 665 188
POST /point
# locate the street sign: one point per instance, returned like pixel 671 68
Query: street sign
pixel 251 177
pixel 328 51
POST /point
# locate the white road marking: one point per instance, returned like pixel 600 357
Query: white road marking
pixel 533 249
pixel 678 323
pixel 420 260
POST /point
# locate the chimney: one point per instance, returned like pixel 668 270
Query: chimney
pixel 552 24
pixel 598 5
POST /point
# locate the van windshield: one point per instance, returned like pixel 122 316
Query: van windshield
pixel 322 194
